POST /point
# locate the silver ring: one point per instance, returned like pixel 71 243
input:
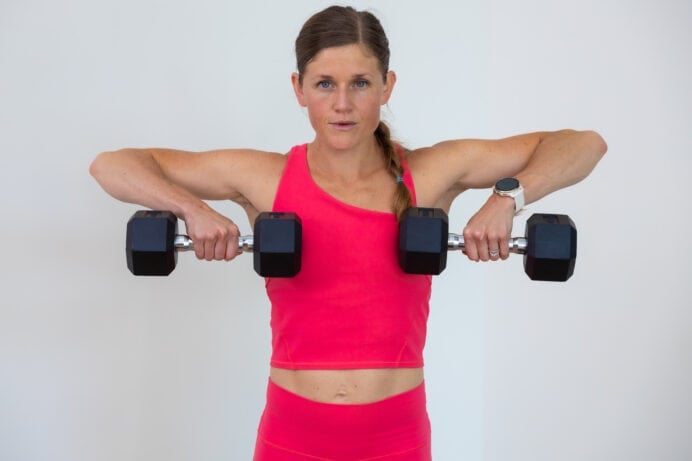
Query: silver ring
pixel 493 253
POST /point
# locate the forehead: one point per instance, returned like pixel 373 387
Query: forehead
pixel 347 59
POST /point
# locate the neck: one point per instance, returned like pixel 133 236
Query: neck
pixel 359 161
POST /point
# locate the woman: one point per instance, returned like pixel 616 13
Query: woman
pixel 346 377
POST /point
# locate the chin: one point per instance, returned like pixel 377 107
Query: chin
pixel 344 142
pixel 341 144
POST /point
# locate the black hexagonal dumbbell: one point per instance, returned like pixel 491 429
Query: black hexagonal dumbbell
pixel 549 245
pixel 153 242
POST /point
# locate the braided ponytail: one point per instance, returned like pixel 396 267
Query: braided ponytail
pixel 402 197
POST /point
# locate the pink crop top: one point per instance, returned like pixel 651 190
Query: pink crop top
pixel 350 306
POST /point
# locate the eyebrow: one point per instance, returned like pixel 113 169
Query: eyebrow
pixel 354 77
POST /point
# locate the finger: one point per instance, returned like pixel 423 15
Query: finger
pixel 483 245
pixel 503 245
pixel 233 243
pixel 199 248
pixel 470 245
pixel 209 246
pixel 223 240
pixel 220 249
pixel 493 246
pixel 232 250
pixel 483 251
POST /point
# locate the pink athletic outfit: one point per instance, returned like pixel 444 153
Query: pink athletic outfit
pixel 349 307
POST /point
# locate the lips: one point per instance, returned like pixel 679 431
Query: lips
pixel 343 124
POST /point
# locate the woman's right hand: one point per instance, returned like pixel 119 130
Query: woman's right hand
pixel 214 236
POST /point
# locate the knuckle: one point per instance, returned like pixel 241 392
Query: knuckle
pixel 473 234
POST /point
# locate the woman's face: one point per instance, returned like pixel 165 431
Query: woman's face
pixel 343 89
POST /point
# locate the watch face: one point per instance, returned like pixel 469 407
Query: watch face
pixel 507 184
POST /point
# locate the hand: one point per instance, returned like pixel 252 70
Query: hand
pixel 214 236
pixel 487 234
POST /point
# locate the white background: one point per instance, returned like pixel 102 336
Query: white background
pixel 97 365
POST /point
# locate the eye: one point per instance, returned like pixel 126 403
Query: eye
pixel 361 84
pixel 324 84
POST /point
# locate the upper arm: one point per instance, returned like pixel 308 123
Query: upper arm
pixel 446 169
pixel 236 174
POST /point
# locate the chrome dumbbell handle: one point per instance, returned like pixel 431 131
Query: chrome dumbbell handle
pixel 516 244
pixel 184 243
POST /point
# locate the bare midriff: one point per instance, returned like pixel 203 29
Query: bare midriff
pixel 347 386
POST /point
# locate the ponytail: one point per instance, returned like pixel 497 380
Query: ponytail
pixel 402 196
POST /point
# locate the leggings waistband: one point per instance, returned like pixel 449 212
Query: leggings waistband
pixel 396 425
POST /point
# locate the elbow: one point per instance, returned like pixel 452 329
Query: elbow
pixel 600 145
pixel 588 142
pixel 105 165
pixel 593 148
pixel 96 168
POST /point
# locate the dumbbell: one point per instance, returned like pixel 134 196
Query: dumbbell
pixel 152 243
pixel 549 245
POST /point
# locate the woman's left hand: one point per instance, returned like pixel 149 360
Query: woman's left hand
pixel 487 234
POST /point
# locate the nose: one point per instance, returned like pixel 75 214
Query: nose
pixel 342 100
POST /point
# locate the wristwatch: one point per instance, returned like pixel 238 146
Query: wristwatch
pixel 510 187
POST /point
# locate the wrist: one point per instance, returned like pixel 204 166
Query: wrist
pixel 187 208
pixel 510 188
pixel 504 203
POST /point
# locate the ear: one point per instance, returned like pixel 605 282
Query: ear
pixel 388 87
pixel 298 89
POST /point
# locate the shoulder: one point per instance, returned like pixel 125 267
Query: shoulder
pixel 446 169
pixel 235 174
pixel 420 156
pixel 246 164
pixel 256 174
pixel 436 168
pixel 216 160
pixel 246 155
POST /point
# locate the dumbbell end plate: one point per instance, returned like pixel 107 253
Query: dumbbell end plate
pixel 149 242
pixel 277 244
pixel 423 234
pixel 551 251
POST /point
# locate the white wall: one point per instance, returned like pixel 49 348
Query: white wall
pixel 98 365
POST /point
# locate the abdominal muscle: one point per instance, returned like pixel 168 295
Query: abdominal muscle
pixel 347 386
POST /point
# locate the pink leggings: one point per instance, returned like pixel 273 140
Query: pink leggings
pixel 294 428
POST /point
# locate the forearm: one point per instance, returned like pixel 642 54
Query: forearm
pixel 134 176
pixel 561 159
pixel 551 162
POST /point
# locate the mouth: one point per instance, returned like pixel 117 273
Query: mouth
pixel 343 124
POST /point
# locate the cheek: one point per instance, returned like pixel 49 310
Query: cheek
pixel 318 110
pixel 318 113
pixel 314 106
pixel 372 109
